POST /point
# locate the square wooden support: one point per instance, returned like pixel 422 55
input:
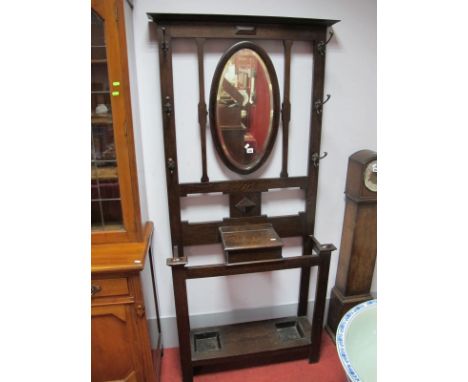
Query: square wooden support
pixel 252 242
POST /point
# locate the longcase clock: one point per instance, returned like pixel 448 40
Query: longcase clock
pixel 358 249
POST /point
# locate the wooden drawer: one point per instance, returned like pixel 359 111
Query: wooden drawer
pixel 109 287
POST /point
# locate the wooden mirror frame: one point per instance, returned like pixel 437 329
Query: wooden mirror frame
pixel 276 105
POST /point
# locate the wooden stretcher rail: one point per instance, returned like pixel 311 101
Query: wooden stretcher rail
pixel 222 31
pixel 251 185
pixel 255 359
pixel 208 233
pixel 216 270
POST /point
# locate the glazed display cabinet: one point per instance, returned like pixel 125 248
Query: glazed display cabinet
pixel 125 344
pixel 115 207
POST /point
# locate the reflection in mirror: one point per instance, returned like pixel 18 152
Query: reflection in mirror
pixel 245 109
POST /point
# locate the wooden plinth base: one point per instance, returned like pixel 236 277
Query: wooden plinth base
pixel 339 305
pixel 252 341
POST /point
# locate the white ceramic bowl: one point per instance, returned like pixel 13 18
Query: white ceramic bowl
pixel 356 342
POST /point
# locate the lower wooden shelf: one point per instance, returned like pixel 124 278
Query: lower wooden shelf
pixel 253 343
pixel 226 344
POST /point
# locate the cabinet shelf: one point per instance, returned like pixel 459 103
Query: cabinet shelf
pixel 231 343
pixel 101 119
pixel 104 173
pixel 99 61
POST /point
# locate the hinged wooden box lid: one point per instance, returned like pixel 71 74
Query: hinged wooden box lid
pixel 253 242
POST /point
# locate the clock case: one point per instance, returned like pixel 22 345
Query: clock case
pixel 355 187
pixel 358 250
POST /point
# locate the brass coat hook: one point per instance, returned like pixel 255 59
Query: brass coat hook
pixel 171 165
pixel 322 45
pixel 316 158
pixel 164 43
pixel 318 105
pixel 168 106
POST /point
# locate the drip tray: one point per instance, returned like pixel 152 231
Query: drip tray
pixel 238 340
pixel 289 331
pixel 206 341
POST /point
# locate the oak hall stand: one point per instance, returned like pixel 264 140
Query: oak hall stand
pixel 262 341
pixel 125 345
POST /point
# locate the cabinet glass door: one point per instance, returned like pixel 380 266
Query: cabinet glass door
pixel 106 208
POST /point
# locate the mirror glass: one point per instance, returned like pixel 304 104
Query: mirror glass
pixel 244 110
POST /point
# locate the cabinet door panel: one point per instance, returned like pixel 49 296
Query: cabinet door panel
pixel 113 344
pixel 115 209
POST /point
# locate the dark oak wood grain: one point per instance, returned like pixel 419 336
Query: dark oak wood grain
pixel 251 236
pixel 312 171
pixel 202 111
pixel 179 276
pixel 358 250
pixel 286 106
pixel 208 233
pixel 250 185
pixel 249 338
pixel 242 204
pixel 216 270
pixel 170 144
pixel 319 305
pixel 250 242
pixel 245 198
pixel 207 19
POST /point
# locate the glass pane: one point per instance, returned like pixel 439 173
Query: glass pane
pixel 98 43
pixel 112 212
pixel 109 188
pixel 244 108
pixel 103 141
pixel 106 208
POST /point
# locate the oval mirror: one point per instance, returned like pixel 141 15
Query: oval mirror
pixel 244 107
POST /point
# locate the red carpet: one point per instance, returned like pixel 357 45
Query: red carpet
pixel 328 369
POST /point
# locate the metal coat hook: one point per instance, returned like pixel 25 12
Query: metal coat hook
pixel 168 106
pixel 318 105
pixel 316 157
pixel 164 43
pixel 321 46
pixel 171 165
